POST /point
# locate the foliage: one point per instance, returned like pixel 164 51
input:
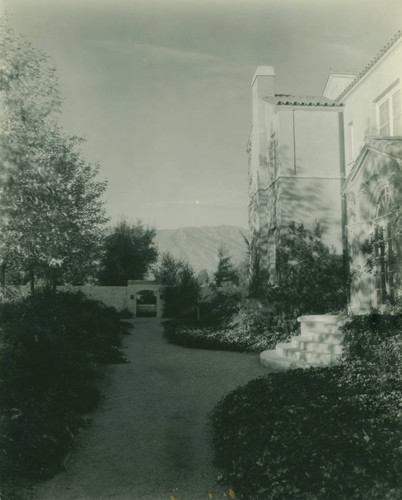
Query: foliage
pixel 52 345
pixel 129 251
pixel 203 277
pixel 384 256
pixel 258 276
pixel 222 304
pixel 247 330
pixel 126 314
pixel 365 334
pixel 309 276
pixel 51 211
pixel 182 287
pixel 226 272
pixel 204 337
pixel 345 423
pixel 303 434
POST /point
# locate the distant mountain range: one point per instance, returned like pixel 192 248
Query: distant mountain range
pixel 199 245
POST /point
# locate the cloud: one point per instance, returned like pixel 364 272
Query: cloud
pixel 212 67
pixel 156 51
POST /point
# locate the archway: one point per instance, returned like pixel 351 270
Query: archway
pixel 146 304
pixel 147 296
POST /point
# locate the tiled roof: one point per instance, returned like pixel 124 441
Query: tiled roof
pixel 291 100
pixel 372 63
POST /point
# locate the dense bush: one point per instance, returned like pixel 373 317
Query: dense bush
pixel 324 432
pixel 309 279
pixel 212 338
pixel 303 434
pixel 364 335
pixel 51 346
pixel 248 329
pixel 222 304
pixel 182 287
pixel 309 276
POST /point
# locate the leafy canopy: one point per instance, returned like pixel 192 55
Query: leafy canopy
pixel 182 291
pixel 51 208
pixel 226 272
pixel 129 251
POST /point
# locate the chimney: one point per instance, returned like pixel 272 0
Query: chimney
pixel 263 81
pixel 261 86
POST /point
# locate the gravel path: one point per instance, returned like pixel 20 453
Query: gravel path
pixel 150 438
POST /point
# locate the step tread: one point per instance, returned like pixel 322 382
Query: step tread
pixel 323 318
pixel 286 344
pixel 267 357
pixel 297 349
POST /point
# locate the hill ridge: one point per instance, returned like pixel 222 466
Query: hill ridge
pixel 199 245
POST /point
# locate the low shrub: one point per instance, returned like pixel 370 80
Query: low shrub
pixel 304 434
pixel 126 314
pixel 249 328
pixel 324 432
pixel 212 338
pixel 51 348
pixel 363 335
pixel 223 303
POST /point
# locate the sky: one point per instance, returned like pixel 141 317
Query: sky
pixel 161 88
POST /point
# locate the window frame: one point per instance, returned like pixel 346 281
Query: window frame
pixel 386 248
pixel 392 115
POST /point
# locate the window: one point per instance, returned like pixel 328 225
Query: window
pixel 383 206
pixel 385 252
pixel 396 113
pixel 389 114
pixel 386 249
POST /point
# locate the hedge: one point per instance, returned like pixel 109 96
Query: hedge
pixel 51 348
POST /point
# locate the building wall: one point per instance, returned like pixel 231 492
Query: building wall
pixel 114 296
pixel 310 201
pixel 360 106
pixel 298 178
pixel 119 297
pixel 362 192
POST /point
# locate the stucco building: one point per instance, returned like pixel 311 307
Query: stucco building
pixel 372 115
pixel 330 159
pixel 295 166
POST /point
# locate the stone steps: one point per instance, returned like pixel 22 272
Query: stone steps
pixel 320 344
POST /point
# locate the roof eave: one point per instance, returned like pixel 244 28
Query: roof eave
pixel 370 66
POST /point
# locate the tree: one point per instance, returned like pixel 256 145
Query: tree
pixel 51 210
pixel 129 251
pixel 203 277
pixel 182 291
pixel 226 272
pixel 310 277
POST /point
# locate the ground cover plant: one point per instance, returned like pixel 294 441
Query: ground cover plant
pixel 323 432
pixel 246 330
pixel 52 346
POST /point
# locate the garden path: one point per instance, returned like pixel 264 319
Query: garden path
pixel 150 434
